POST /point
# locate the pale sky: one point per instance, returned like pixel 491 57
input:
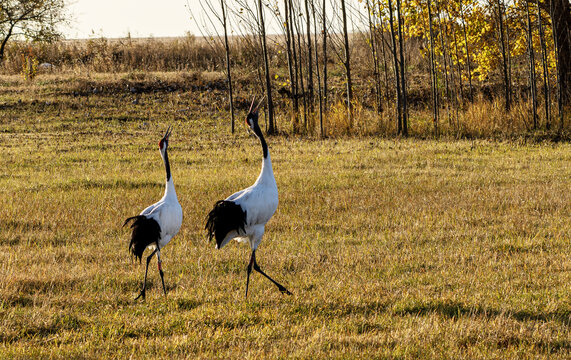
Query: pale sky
pixel 146 18
pixel 142 18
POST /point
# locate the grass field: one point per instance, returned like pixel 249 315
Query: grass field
pixel 392 248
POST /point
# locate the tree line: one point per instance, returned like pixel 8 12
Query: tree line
pixel 464 41
pixel 466 48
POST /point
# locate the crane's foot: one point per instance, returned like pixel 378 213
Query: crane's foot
pixel 141 295
pixel 283 290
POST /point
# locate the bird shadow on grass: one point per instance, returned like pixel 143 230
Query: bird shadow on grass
pixel 337 309
pixel 187 304
pixel 39 331
pixel 455 310
pixel 107 184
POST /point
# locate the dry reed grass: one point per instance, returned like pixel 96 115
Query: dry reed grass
pixel 144 61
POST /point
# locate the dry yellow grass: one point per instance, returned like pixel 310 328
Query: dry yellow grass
pixel 392 248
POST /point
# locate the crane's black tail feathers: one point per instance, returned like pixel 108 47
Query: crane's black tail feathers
pixel 145 232
pixel 223 218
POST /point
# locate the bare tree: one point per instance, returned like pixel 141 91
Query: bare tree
pixel 546 84
pixel 228 72
pixel 433 78
pixel 532 83
pixel 290 50
pixel 347 64
pixel 374 54
pixel 383 51
pixel 30 19
pixel 396 67
pixel 504 49
pixel 309 58
pixel 302 91
pixel 443 45
pixel 459 96
pixel 404 128
pixel 559 13
pixel 270 104
pixel 324 30
pixel 319 92
pixel 467 48
pixel 214 40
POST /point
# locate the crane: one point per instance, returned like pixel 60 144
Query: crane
pixel 155 226
pixel 244 214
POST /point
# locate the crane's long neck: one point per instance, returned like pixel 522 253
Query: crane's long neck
pixel 167 165
pixel 267 173
pixel 169 188
pixel 260 136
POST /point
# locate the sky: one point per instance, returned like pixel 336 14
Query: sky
pixel 140 18
pixel 145 18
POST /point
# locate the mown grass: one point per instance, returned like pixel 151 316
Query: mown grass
pixel 392 248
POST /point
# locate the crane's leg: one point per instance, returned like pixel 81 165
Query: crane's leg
pixel 142 293
pixel 257 268
pixel 161 270
pixel 249 271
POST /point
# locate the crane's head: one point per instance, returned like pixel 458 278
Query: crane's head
pixel 252 117
pixel 164 142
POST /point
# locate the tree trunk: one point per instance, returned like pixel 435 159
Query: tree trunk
pixel 560 24
pixel 396 62
pixel 458 67
pixel 467 51
pixel 319 92
pixel 272 128
pixel 309 59
pixel 347 65
pixel 433 78
pixel 302 91
pixel 324 56
pixel 385 65
pixel 457 100
pixel 532 83
pixel 295 93
pixel 546 85
pixel 228 73
pixel 443 44
pixel 503 50
pixel 4 42
pixel 404 129
pixel 375 58
pixel 290 62
pixel 561 20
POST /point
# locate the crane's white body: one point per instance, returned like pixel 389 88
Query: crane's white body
pixel 260 202
pixel 167 212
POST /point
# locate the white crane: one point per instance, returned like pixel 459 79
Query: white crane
pixel 155 226
pixel 244 214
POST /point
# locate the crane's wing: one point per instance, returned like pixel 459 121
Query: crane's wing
pixel 148 210
pixel 237 195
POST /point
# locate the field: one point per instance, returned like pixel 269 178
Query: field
pixel 393 248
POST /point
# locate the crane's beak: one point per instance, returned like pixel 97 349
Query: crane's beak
pixel 252 110
pixel 168 133
pixel 258 106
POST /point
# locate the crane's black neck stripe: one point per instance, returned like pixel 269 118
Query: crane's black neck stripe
pixel 167 165
pixel 260 136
